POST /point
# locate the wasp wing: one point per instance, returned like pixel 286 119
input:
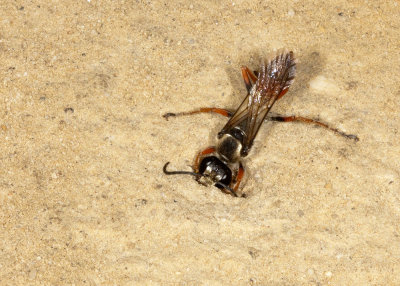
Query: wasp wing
pixel 272 83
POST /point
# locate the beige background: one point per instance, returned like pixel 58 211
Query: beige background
pixel 83 198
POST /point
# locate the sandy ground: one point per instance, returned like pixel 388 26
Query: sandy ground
pixel 83 198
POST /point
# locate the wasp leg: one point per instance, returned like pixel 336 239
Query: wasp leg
pixel 207 151
pixel 247 75
pixel 311 121
pixel 224 112
pixel 239 178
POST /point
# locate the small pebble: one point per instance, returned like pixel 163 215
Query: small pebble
pixel 328 274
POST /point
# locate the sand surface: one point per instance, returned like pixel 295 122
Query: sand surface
pixel 83 198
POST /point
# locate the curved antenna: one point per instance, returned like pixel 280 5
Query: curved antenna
pixel 166 172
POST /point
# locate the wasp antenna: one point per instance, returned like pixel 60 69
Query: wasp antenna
pixel 166 172
pixel 229 189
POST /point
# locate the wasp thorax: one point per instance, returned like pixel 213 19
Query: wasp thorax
pixel 229 148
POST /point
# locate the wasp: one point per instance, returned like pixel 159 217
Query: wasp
pixel 221 165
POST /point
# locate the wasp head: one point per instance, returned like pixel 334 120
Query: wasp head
pixel 214 171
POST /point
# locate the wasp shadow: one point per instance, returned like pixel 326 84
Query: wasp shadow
pixel 308 67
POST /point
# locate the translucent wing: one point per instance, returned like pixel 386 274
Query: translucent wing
pixel 272 83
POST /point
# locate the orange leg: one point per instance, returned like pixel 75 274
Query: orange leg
pixel 239 178
pixel 311 121
pixel 207 151
pixel 221 111
pixel 247 74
